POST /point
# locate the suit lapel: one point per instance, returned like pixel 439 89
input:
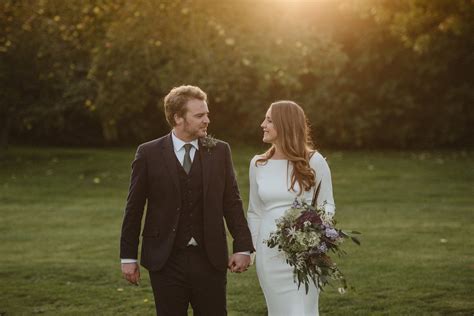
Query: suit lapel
pixel 170 161
pixel 206 162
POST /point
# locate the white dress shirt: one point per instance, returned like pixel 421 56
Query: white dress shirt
pixel 179 149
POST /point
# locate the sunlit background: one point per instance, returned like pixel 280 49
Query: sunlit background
pixel 388 89
pixel 369 73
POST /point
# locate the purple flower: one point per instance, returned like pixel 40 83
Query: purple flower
pixel 322 248
pixel 331 233
pixel 296 203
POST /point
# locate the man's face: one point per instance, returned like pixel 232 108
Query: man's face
pixel 194 123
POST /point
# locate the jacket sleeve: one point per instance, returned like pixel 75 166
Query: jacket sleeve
pixel 233 209
pixel 137 196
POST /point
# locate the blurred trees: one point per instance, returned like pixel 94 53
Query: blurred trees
pixel 45 49
pixel 368 73
pixel 440 36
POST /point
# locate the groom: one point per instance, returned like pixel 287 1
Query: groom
pixel 187 181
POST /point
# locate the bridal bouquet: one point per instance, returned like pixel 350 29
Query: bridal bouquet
pixel 306 235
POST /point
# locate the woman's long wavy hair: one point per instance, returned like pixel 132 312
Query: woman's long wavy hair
pixel 294 140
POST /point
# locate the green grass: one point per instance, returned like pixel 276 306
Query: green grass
pixel 61 212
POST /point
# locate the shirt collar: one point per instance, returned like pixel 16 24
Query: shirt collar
pixel 178 143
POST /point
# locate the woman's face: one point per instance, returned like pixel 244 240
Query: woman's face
pixel 269 132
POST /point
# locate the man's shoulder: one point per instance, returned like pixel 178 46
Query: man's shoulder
pixel 212 143
pixel 223 146
pixel 153 143
pixel 220 142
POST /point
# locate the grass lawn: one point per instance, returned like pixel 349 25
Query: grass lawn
pixel 61 212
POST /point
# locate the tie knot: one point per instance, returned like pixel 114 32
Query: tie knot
pixel 187 147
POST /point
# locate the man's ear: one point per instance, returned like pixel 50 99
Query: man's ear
pixel 178 120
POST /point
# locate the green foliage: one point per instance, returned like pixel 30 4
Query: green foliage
pixel 440 35
pixel 45 48
pixel 368 73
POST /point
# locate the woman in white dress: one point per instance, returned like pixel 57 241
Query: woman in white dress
pixel 277 177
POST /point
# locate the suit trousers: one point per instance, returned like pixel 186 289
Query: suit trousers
pixel 189 278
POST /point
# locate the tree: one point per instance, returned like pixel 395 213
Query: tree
pixel 441 36
pixel 154 46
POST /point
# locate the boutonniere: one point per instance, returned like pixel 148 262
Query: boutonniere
pixel 208 142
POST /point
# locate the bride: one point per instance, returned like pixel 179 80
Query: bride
pixel 290 168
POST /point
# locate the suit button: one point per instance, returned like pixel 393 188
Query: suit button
pixel 174 229
pixel 178 209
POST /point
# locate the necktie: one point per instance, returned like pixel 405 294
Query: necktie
pixel 187 158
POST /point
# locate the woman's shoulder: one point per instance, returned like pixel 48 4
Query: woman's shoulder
pixel 255 158
pixel 317 159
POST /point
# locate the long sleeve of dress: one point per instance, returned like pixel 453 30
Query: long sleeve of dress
pixel 255 208
pixel 323 175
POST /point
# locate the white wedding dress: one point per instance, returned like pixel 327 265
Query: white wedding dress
pixel 269 198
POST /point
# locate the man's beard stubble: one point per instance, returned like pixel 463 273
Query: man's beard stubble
pixel 194 134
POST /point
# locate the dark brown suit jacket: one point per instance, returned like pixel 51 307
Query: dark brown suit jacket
pixel 154 181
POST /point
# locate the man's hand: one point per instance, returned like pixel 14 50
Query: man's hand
pixel 239 262
pixel 131 272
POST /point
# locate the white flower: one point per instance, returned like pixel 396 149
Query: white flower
pixel 291 232
pixel 326 218
pixel 341 290
pixel 313 239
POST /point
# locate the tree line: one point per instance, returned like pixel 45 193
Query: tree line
pixel 368 73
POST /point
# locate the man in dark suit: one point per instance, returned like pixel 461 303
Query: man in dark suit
pixel 187 181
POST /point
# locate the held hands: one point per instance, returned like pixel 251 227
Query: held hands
pixel 131 272
pixel 238 262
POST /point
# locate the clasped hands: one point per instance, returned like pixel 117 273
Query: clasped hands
pixel 238 262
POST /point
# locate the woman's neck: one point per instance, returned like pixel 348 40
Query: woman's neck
pixel 278 154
